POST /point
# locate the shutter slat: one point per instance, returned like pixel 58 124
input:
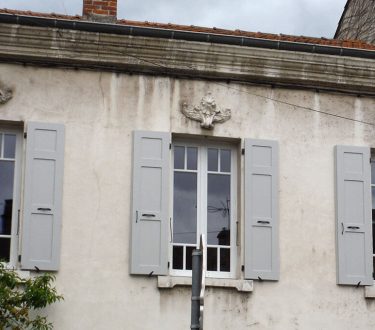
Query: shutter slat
pixel 43 196
pixel 150 213
pixel 353 216
pixel 261 210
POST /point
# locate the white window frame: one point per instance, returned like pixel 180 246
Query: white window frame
pixel 16 207
pixel 202 200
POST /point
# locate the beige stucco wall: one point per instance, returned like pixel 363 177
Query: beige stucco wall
pixel 100 111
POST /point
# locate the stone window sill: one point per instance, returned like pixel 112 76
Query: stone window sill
pixel 169 282
pixel 370 291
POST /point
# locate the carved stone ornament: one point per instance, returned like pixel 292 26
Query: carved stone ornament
pixel 5 94
pixel 206 112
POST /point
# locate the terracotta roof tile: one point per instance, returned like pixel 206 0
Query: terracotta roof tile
pixel 192 28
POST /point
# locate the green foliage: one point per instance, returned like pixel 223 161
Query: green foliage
pixel 19 298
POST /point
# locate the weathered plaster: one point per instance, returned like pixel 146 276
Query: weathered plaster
pixel 100 111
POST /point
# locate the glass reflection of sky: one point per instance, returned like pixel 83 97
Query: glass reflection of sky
pixel 185 208
pixel 9 145
pixel 6 194
pixel 218 207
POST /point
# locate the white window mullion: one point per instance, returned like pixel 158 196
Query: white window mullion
pixel 203 193
pixel 233 212
pixel 184 257
pixel 2 145
pixel 16 200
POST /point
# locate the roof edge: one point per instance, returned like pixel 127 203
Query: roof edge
pixel 197 36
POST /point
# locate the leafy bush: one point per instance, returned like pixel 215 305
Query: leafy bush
pixel 19 298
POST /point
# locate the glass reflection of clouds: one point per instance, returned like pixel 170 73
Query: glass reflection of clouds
pixel 185 208
pixel 218 201
pixel 6 195
pixel 7 165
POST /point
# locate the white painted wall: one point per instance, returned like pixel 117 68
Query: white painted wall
pixel 100 111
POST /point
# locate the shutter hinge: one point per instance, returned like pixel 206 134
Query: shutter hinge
pixel 168 264
pixel 170 146
pixel 25 135
pixel 242 151
pixel 243 268
pixel 19 258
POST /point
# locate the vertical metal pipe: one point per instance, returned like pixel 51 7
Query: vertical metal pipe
pixel 196 288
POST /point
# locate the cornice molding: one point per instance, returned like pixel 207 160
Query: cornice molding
pixel 100 51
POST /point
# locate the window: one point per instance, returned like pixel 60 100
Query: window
pixel 204 202
pixel 30 237
pixel 189 188
pixel 10 164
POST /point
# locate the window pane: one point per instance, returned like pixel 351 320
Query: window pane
pixel 189 255
pixel 185 208
pixel 179 158
pixel 9 146
pixel 178 252
pixel 4 249
pixel 1 145
pixel 373 219
pixel 225 260
pixel 218 209
pixel 192 157
pixel 373 171
pixel 6 196
pixel 224 160
pixel 212 159
pixel 212 259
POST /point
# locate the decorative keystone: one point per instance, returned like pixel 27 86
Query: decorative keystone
pixel 5 94
pixel 206 112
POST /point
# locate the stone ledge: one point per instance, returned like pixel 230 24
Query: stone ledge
pixel 169 282
pixel 102 51
pixel 370 291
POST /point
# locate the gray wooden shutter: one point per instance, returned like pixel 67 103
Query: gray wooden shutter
pixel 42 196
pixel 353 212
pixel 261 210
pixel 150 213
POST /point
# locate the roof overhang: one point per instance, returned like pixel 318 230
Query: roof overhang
pixel 79 44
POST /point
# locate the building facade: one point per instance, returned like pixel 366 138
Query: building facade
pixel 140 138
